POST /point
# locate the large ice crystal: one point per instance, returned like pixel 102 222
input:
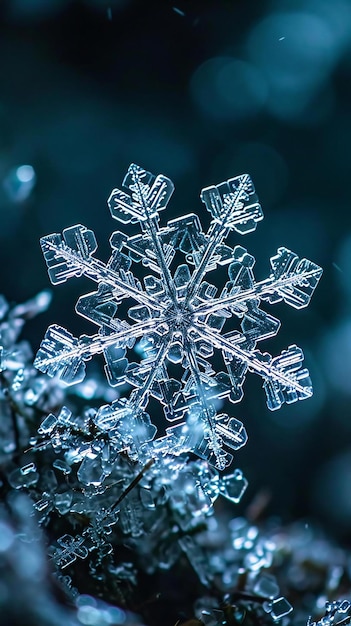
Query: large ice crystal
pixel 179 318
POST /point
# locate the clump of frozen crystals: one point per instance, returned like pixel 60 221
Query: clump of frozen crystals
pixel 22 558
pixel 152 506
pixel 28 594
pixel 24 393
pixel 179 317
pixel 237 560
pixel 336 612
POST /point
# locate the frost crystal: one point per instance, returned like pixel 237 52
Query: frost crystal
pixel 24 393
pixel 334 614
pixel 180 320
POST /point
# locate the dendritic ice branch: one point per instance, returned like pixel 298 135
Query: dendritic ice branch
pixel 178 316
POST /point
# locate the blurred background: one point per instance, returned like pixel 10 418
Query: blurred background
pixel 200 91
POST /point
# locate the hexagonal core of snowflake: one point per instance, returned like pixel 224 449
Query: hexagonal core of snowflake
pixel 178 314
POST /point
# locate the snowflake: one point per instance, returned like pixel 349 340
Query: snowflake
pixel 179 319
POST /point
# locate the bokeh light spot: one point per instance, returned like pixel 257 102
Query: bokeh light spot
pixel 229 89
pixel 296 52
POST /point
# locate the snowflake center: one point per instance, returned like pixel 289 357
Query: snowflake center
pixel 179 316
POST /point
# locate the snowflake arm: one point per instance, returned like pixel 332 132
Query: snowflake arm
pixel 61 353
pixel 71 255
pixel 292 280
pixel 144 205
pixel 152 366
pixel 281 380
pixel 233 205
pixel 207 415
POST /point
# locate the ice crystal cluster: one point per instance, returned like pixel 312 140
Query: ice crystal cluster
pixel 23 391
pixel 337 612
